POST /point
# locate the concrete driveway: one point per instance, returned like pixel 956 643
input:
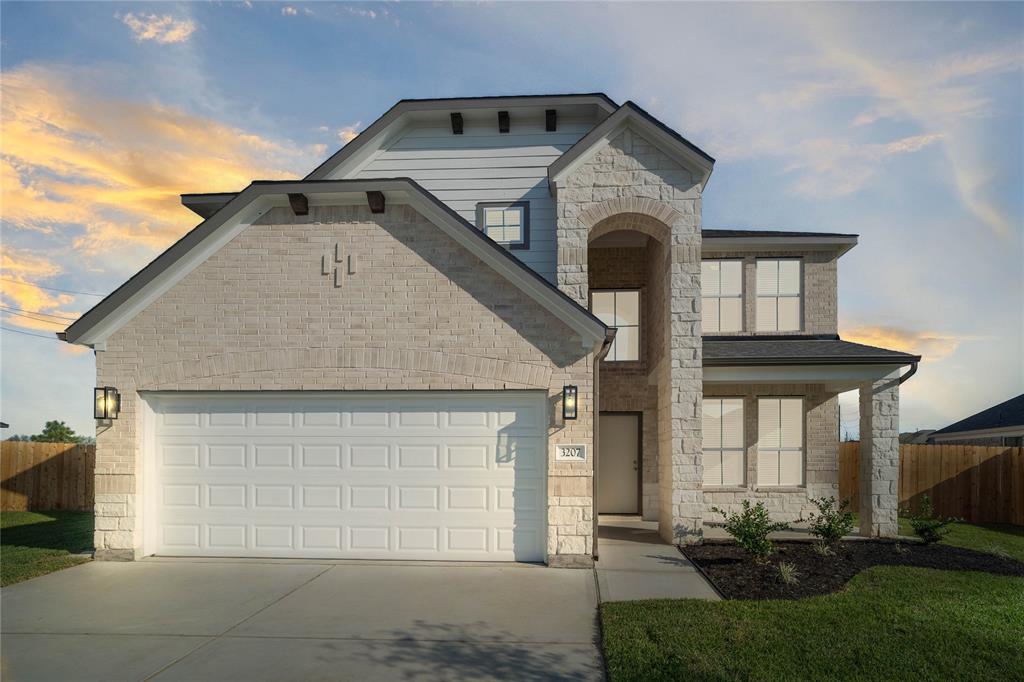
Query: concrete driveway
pixel 252 620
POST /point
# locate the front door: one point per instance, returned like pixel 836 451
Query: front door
pixel 619 464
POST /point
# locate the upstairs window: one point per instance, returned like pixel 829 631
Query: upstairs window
pixel 721 290
pixel 507 224
pixel 619 309
pixel 778 295
pixel 780 441
pixel 723 442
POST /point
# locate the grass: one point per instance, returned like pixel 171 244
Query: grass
pixel 994 538
pixel 37 543
pixel 891 622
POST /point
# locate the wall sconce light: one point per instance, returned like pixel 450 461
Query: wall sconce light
pixel 569 402
pixel 106 402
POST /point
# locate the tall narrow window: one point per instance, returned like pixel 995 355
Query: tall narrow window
pixel 619 309
pixel 723 441
pixel 778 295
pixel 507 224
pixel 780 441
pixel 721 290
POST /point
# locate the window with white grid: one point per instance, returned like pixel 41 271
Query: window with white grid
pixel 721 290
pixel 778 295
pixel 780 441
pixel 724 460
pixel 619 309
pixel 507 224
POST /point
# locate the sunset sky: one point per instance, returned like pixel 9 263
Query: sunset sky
pixel 901 123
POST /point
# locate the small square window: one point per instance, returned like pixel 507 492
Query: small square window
pixel 507 224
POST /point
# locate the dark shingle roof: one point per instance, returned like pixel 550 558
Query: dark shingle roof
pixel 725 234
pixel 796 350
pixel 1010 413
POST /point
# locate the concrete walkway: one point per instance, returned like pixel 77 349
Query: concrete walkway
pixel 635 563
pixel 298 620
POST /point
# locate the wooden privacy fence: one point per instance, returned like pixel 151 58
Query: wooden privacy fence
pixel 46 476
pixel 979 484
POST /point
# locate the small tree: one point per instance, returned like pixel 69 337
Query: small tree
pixel 926 525
pixel 751 527
pixel 57 432
pixel 832 522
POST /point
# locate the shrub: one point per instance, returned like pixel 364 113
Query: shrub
pixel 833 521
pixel 996 549
pixel 751 527
pixel 926 525
pixel 788 573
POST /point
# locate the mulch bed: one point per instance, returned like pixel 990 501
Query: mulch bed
pixel 738 577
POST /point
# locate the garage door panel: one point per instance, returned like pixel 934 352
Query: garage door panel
pixel 394 476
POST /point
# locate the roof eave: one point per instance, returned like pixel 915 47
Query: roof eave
pixel 725 244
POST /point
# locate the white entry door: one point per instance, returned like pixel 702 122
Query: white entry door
pixel 401 475
pixel 618 464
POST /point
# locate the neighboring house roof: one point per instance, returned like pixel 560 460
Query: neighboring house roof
pixel 1004 419
pixel 259 197
pixel 376 133
pixel 656 132
pixel 792 350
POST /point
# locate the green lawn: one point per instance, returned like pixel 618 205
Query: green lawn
pixel 889 623
pixel 36 543
pixel 995 538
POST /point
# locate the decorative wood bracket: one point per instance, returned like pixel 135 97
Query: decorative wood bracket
pixel 504 123
pixel 551 120
pixel 376 201
pixel 456 123
pixel 299 204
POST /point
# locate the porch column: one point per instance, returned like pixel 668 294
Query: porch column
pixel 879 456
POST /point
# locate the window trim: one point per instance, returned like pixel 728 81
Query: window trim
pixel 743 447
pixel 742 296
pixel 639 323
pixel 803 444
pixel 801 296
pixel 482 226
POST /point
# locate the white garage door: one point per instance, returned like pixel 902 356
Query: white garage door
pixel 455 476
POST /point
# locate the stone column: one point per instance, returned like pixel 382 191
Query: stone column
pixel 879 456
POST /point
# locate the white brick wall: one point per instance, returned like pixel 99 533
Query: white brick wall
pixel 420 312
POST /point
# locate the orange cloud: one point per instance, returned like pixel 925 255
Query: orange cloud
pixel 114 169
pixel 931 346
pixel 160 29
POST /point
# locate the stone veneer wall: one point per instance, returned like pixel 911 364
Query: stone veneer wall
pixel 637 183
pixel 819 285
pixel 420 312
pixel 821 450
pixel 880 456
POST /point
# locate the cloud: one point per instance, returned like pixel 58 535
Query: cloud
pixel 931 346
pixel 106 175
pixel 25 268
pixel 289 11
pixel 349 133
pixel 164 29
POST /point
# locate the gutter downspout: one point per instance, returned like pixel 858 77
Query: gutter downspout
pixel 912 372
pixel 606 346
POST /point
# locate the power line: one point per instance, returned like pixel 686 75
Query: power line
pixel 34 319
pixel 22 311
pixel 41 336
pixel 63 291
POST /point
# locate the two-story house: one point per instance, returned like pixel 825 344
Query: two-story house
pixel 477 326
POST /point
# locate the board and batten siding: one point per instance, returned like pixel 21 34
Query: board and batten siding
pixel 482 165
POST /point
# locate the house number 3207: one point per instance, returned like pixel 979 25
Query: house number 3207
pixel 572 453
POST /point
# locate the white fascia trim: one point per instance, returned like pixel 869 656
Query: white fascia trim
pixel 798 374
pixel 1001 432
pixel 267 197
pixel 171 276
pixel 666 143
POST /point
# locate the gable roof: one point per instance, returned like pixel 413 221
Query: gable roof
pixel 259 197
pixel 728 351
pixel 374 134
pixel 1005 415
pixel 656 132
